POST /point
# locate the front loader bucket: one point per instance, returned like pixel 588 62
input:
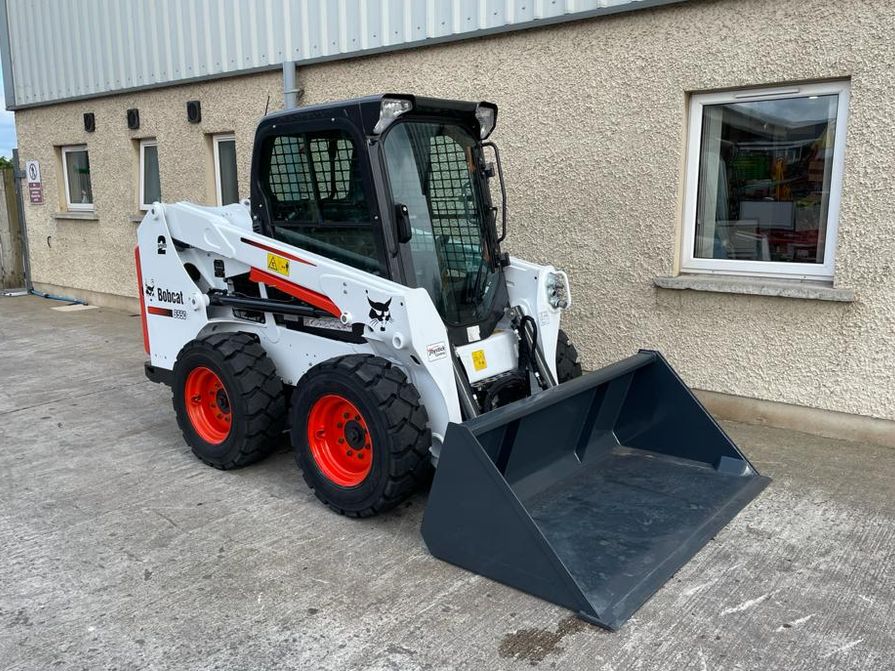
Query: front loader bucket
pixel 591 494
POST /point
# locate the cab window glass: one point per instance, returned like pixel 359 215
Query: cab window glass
pixel 314 184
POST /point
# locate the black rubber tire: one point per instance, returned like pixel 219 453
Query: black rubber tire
pixel 568 365
pixel 398 426
pixel 255 392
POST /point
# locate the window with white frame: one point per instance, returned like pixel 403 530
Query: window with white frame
pixel 225 174
pixel 150 181
pixel 76 168
pixel 764 178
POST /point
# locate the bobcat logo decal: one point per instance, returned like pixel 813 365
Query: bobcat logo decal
pixel 149 290
pixel 380 314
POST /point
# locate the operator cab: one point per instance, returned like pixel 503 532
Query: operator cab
pixel 395 185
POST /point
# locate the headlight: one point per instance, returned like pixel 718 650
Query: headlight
pixel 389 110
pixel 558 290
pixel 486 114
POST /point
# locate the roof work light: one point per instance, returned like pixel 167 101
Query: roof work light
pixel 389 110
pixel 486 114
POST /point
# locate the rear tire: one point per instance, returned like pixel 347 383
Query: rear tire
pixel 568 365
pixel 228 399
pixel 361 434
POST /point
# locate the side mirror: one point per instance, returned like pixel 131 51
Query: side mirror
pixel 402 220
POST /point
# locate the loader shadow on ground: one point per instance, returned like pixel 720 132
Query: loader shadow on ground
pixel 120 550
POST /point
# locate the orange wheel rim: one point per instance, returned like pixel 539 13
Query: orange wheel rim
pixel 207 405
pixel 340 440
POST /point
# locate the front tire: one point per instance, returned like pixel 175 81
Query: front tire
pixel 568 365
pixel 361 434
pixel 228 399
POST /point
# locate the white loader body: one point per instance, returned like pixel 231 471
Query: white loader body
pixel 175 240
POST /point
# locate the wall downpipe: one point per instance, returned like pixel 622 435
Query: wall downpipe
pixel 291 93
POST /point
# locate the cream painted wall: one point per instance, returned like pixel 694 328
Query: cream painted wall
pixel 592 128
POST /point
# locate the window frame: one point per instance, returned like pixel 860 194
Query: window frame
pixel 146 142
pixel 216 139
pixel 775 269
pixel 70 206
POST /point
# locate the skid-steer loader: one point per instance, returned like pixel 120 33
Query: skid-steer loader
pixel 361 300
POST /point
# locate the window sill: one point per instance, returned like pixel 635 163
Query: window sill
pixel 137 218
pixel 757 286
pixel 76 216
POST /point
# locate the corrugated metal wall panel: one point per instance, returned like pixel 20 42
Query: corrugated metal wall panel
pixel 62 50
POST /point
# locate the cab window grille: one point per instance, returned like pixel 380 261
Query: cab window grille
pixel 454 208
pixel 332 159
pixel 290 172
pixel 318 202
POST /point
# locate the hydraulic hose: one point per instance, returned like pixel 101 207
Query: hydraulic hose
pixel 54 297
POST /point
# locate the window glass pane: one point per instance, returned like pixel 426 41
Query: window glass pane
pixel 152 187
pixel 227 172
pixel 764 179
pixel 317 199
pixel 77 172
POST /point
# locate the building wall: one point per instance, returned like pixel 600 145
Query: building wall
pixel 592 128
pixel 97 255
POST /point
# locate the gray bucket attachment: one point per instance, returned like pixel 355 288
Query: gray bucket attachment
pixel 591 494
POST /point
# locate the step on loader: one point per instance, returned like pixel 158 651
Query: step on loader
pixel 360 299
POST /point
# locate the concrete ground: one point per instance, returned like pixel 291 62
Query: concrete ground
pixel 119 550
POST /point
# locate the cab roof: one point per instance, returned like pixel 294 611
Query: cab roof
pixel 365 111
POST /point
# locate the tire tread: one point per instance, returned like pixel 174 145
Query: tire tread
pixel 568 363
pixel 258 384
pixel 407 422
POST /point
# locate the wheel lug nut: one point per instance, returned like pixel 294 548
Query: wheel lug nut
pixel 339 424
pixel 341 440
pixel 350 453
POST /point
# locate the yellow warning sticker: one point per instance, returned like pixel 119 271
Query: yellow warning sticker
pixel 278 264
pixel 478 360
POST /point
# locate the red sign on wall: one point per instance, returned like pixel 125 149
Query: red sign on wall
pixel 36 193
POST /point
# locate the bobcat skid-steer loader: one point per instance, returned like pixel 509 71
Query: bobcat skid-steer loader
pixel 361 300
